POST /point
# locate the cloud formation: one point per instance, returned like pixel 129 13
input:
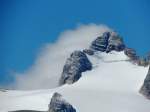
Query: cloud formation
pixel 46 70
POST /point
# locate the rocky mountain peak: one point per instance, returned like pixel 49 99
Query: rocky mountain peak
pixel 107 42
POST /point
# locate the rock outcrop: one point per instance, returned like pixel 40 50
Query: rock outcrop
pixel 88 51
pixel 101 42
pixel 77 63
pixel 145 89
pixel 58 104
pixel 107 42
pixel 131 53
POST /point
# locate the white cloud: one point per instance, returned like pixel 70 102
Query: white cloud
pixel 46 70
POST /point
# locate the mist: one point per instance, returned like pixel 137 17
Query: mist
pixel 48 65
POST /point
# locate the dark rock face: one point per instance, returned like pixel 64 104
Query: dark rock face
pixel 145 89
pixel 115 43
pixel 75 65
pixel 101 43
pixel 88 51
pixel 58 104
pixel 107 42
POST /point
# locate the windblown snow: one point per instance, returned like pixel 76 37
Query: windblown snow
pixel 111 86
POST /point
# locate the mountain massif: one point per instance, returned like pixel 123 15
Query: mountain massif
pixel 106 77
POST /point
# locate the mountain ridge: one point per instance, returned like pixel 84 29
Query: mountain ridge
pixel 107 42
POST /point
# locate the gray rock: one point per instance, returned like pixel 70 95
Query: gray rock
pixel 101 43
pixel 58 104
pixel 75 65
pixel 107 42
pixel 88 51
pixel 145 89
pixel 115 42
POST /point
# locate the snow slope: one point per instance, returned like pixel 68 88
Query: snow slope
pixel 111 86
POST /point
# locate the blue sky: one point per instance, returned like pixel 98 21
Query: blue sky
pixel 26 25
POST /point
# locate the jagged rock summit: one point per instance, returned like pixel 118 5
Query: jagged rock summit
pixel 58 104
pixel 107 42
pixel 74 66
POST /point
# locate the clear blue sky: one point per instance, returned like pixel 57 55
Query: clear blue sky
pixel 25 25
